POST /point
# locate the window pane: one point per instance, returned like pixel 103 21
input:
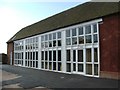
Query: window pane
pixel 94 28
pixel 74 32
pixel 95 55
pixel 46 37
pixel 25 55
pixel 88 55
pixel 50 55
pixel 68 55
pixel 54 65
pixel 74 66
pixel 54 35
pixel 80 31
pixel 36 64
pixel 59 55
pixel 68 33
pixel 46 55
pixel 68 67
pixel 46 44
pixel 33 55
pixel 42 38
pixel 59 67
pixel 95 69
pixel 33 63
pixel 88 29
pixel 74 55
pixel 46 65
pixel 36 55
pixel 89 69
pixel 74 41
pixel 42 66
pixel 59 42
pixel 50 44
pixel 42 55
pixel 95 38
pixel 42 45
pixel 81 40
pixel 80 55
pixel 80 68
pixel 68 41
pixel 54 55
pixel 59 35
pixel 50 36
pixel 88 39
pixel 54 43
pixel 50 65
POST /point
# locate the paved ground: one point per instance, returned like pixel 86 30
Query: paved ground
pixel 26 78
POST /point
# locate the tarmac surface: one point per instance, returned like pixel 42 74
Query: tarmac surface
pixel 28 78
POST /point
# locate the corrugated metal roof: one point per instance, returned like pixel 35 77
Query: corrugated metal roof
pixel 78 14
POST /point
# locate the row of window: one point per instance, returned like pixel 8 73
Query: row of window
pixel 31 55
pixel 18 45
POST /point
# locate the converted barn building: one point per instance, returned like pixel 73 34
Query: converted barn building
pixel 82 40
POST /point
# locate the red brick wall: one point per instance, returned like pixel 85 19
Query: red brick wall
pixel 10 48
pixel 109 35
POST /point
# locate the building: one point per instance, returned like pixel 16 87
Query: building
pixel 82 40
pixel 3 58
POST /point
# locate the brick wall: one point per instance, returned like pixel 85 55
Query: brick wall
pixel 109 35
pixel 10 48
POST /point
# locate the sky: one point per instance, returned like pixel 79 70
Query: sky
pixel 17 14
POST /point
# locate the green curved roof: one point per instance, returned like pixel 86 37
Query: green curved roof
pixel 81 13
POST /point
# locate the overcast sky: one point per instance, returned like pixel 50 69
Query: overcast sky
pixel 16 14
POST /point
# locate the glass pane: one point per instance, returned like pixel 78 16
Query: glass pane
pixel 36 64
pixel 33 55
pixel 74 55
pixel 68 55
pixel 59 35
pixel 88 55
pixel 30 63
pixel 95 38
pixel 50 65
pixel 25 55
pixel 54 43
pixel 42 45
pixel 54 35
pixel 46 55
pixel 59 42
pixel 95 69
pixel 80 31
pixel 36 55
pixel 54 65
pixel 59 67
pixel 68 41
pixel 80 55
pixel 46 44
pixel 89 69
pixel 46 65
pixel 42 38
pixel 74 41
pixel 42 66
pixel 59 55
pixel 95 28
pixel 88 29
pixel 42 55
pixel 95 55
pixel 50 36
pixel 68 33
pixel 80 68
pixel 54 55
pixel 50 55
pixel 81 40
pixel 33 63
pixel 74 66
pixel 74 32
pixel 50 44
pixel 68 67
pixel 88 39
pixel 46 37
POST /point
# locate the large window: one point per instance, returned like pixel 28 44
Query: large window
pixel 82 50
pixel 51 53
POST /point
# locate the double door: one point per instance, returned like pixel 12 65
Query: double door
pixel 75 61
